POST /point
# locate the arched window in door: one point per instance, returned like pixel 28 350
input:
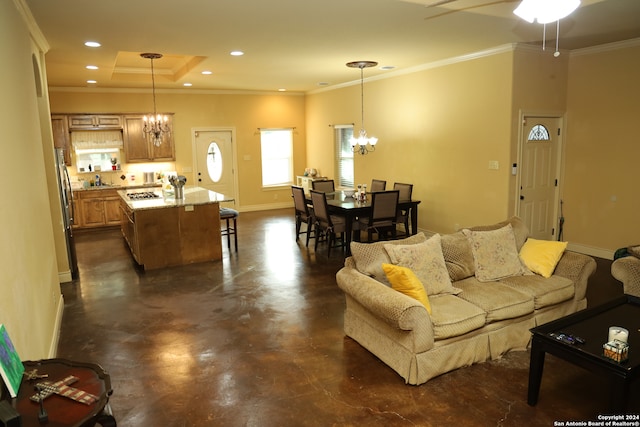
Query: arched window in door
pixel 538 133
pixel 214 161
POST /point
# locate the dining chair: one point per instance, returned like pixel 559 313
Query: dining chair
pixel 383 215
pixel 403 214
pixel 327 226
pixel 326 186
pixel 378 185
pixel 303 212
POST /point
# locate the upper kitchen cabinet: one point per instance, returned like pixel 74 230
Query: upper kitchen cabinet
pixel 139 148
pixel 95 121
pixel 61 137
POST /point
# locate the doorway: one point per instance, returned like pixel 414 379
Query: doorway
pixel 215 160
pixel 539 178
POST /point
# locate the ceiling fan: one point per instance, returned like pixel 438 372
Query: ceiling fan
pixel 463 8
pixel 443 2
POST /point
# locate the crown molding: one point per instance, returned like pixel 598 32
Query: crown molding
pixel 608 47
pixel 170 91
pixel 34 30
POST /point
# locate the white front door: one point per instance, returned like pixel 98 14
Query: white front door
pixel 215 161
pixel 539 176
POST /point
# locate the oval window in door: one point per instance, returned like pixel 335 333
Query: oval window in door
pixel 214 162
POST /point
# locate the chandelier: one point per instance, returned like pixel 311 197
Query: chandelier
pixel 545 12
pixel 362 144
pixel 155 125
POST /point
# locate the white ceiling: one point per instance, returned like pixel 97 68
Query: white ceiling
pixel 292 44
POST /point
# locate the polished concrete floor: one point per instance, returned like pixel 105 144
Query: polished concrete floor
pixel 257 340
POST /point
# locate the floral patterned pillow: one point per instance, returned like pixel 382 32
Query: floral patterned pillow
pixel 495 255
pixel 427 263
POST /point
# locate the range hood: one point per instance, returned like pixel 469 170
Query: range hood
pixel 97 140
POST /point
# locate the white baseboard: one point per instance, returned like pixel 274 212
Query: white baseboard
pixel 53 348
pixel 590 250
pixel 270 206
pixel 64 276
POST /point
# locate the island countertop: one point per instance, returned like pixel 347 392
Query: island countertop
pixel 192 196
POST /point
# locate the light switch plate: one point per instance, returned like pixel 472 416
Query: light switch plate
pixel 494 165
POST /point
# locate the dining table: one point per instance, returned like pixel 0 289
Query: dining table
pixel 339 203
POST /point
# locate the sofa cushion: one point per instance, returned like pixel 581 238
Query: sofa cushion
pixel 520 230
pixel 426 261
pixel 495 254
pixel 452 316
pixel 457 256
pixel 545 292
pixel 369 257
pixel 403 280
pixel 542 256
pixel 498 300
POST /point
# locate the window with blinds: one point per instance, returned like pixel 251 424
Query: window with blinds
pixel 344 156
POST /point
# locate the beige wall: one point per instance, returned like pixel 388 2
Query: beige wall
pixel 601 194
pixel 437 129
pixel 243 112
pixel 30 299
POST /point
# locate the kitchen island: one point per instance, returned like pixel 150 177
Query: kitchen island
pixel 164 231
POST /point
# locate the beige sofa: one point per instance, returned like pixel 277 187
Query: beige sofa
pixel 627 270
pixel 475 322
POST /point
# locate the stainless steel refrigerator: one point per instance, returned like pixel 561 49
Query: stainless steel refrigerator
pixel 66 199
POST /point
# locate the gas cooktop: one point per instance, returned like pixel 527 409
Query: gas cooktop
pixel 142 195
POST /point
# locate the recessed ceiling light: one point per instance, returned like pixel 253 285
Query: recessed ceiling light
pixel 187 84
pixel 237 53
pixel 387 67
pixel 92 44
pixel 91 67
pixel 207 72
pixel 323 84
pixel 282 90
pixel 92 82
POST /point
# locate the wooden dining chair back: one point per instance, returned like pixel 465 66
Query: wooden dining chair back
pixel 403 214
pixel 303 213
pixel 326 186
pixel 378 185
pixel 384 212
pixel 327 227
pixel 404 189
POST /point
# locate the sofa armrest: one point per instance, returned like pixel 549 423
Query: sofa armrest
pixel 396 309
pixel 627 270
pixel 578 268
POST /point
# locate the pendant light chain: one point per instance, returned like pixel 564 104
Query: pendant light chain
pixel 153 89
pixel 361 97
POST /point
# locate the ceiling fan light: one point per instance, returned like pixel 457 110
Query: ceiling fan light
pixel 526 11
pixel 545 11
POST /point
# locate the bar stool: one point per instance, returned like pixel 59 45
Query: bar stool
pixel 228 214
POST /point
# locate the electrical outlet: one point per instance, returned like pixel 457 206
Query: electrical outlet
pixel 494 165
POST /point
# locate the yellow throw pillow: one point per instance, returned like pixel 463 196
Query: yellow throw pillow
pixel 542 256
pixel 403 280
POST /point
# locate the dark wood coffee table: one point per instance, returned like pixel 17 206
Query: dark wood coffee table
pixel 593 326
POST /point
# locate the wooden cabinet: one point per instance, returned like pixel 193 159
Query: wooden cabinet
pixel 94 121
pixel 139 148
pixel 61 136
pixel 97 208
